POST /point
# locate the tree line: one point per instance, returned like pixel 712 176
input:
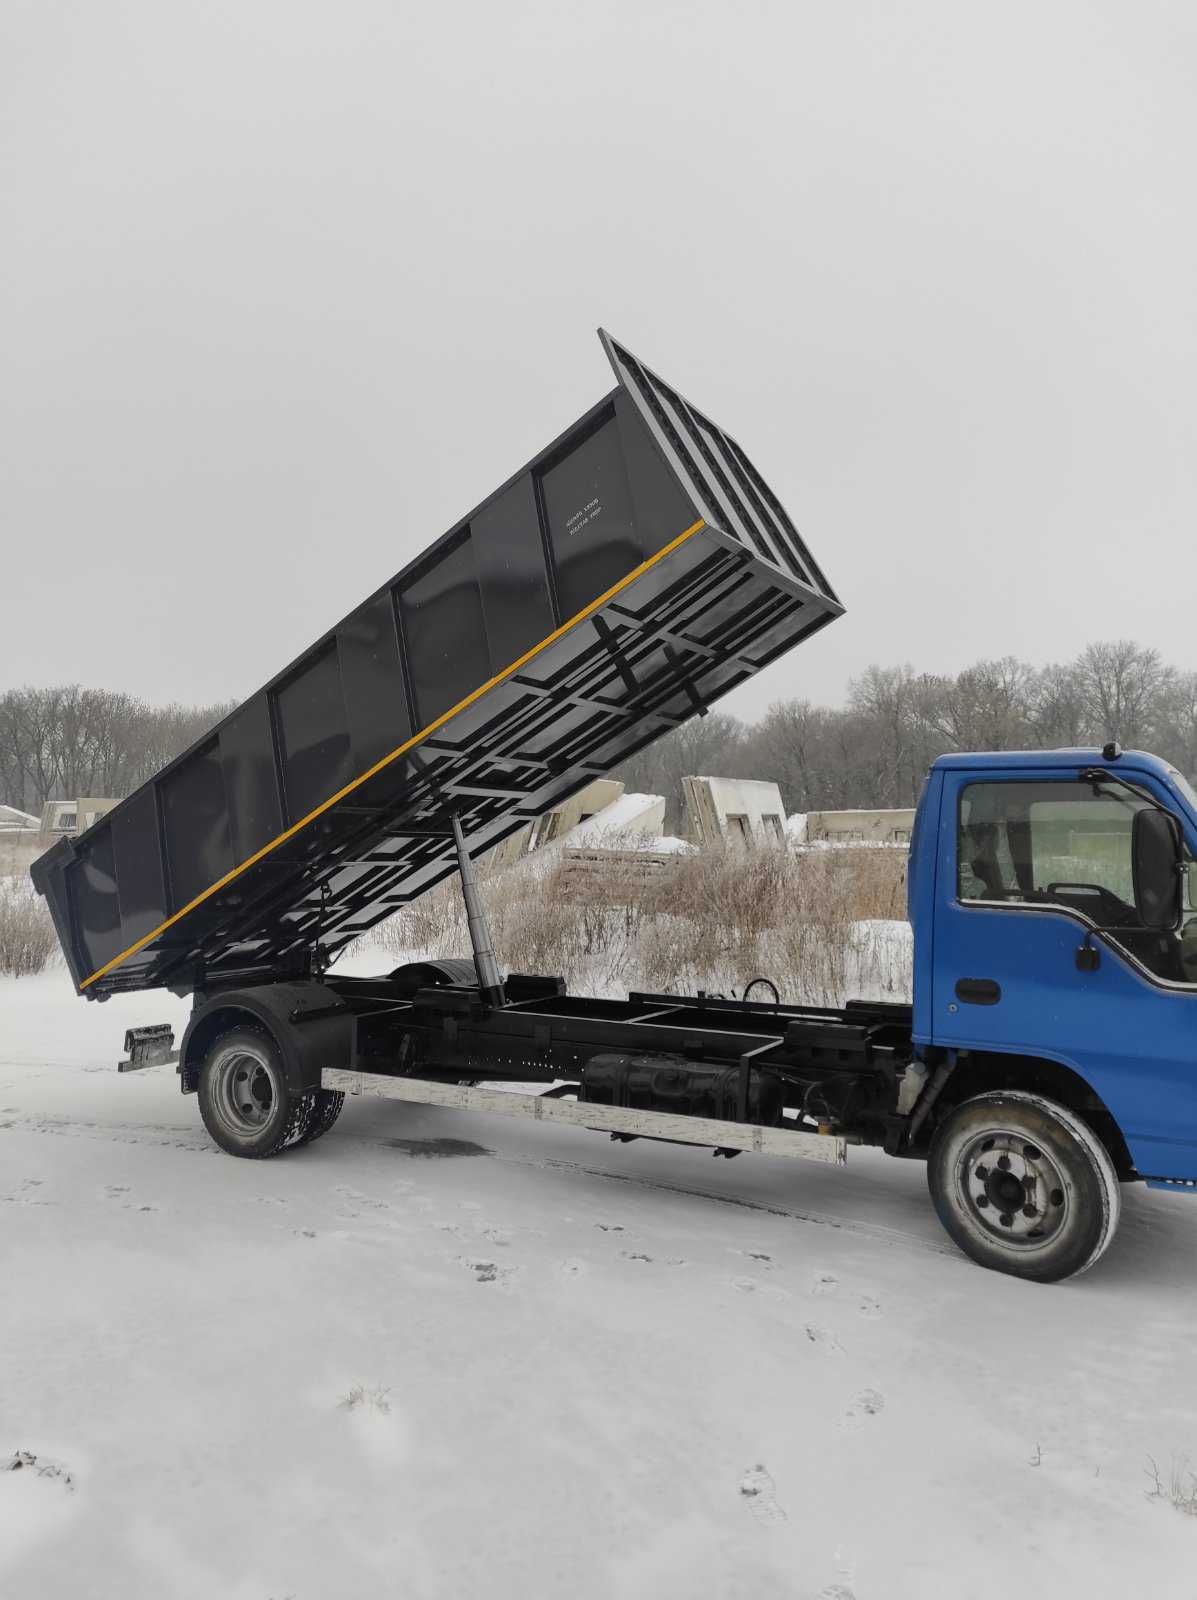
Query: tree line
pixel 875 750
pixel 65 742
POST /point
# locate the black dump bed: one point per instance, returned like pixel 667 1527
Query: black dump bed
pixel 629 576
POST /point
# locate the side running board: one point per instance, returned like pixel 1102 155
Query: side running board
pixel 828 1148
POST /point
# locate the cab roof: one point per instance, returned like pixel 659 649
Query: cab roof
pixel 1078 756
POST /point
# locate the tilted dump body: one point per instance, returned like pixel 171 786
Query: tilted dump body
pixel 629 576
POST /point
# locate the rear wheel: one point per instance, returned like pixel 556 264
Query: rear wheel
pixel 244 1099
pixel 326 1108
pixel 1023 1185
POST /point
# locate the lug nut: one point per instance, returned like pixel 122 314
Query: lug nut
pixel 1006 1219
pixel 982 1200
pixel 1029 1211
pixel 1004 1163
pixel 982 1172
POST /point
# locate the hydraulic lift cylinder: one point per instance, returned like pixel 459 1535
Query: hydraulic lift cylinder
pixel 490 980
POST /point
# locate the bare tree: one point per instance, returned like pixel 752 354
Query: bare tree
pixel 1059 715
pixel 1122 683
pixel 1175 720
pixel 789 744
pixel 66 741
pixel 890 697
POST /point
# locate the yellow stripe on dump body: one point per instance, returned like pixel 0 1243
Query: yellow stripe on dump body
pixel 385 761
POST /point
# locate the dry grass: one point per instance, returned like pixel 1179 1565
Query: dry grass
pixel 27 938
pixel 714 920
pixel 1181 1489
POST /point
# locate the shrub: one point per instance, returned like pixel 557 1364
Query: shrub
pixel 27 938
pixel 815 921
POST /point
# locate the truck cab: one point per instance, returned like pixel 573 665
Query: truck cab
pixel 1036 961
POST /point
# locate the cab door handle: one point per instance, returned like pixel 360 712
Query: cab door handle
pixel 978 991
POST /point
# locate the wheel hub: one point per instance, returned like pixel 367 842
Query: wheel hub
pixel 244 1092
pixel 1013 1188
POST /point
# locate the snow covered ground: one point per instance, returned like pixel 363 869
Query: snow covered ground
pixel 443 1355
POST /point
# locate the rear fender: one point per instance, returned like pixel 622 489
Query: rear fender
pixel 310 1024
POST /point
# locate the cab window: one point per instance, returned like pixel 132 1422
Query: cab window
pixel 1067 844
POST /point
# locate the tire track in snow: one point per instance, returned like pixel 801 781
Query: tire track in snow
pixel 871 1230
pixel 183 1138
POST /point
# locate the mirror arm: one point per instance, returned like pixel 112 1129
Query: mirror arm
pixel 1088 956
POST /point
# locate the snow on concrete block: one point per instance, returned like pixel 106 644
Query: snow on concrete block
pixel 627 821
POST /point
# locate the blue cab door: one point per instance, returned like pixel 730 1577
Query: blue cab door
pixel 1028 863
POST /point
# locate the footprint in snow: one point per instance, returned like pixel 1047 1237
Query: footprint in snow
pixel 867 1404
pixel 870 1307
pixel 761 1286
pixel 824 1283
pixel 570 1269
pixel 823 1337
pixel 610 1227
pixel 25 1194
pixel 38 1467
pixel 354 1197
pixel 488 1271
pixel 120 1193
pixel 500 1236
pixel 755 1255
pixel 760 1492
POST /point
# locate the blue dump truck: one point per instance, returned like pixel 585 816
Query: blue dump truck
pixel 621 582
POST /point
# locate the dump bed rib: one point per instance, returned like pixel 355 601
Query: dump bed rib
pixel 632 573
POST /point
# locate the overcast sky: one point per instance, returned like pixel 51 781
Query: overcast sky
pixel 288 287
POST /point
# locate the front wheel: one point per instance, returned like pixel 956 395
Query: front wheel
pixel 244 1099
pixel 1023 1185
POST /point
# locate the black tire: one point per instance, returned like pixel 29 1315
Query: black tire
pixel 244 1100
pixel 326 1108
pixel 1023 1186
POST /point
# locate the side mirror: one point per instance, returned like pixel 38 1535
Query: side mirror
pixel 1157 860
